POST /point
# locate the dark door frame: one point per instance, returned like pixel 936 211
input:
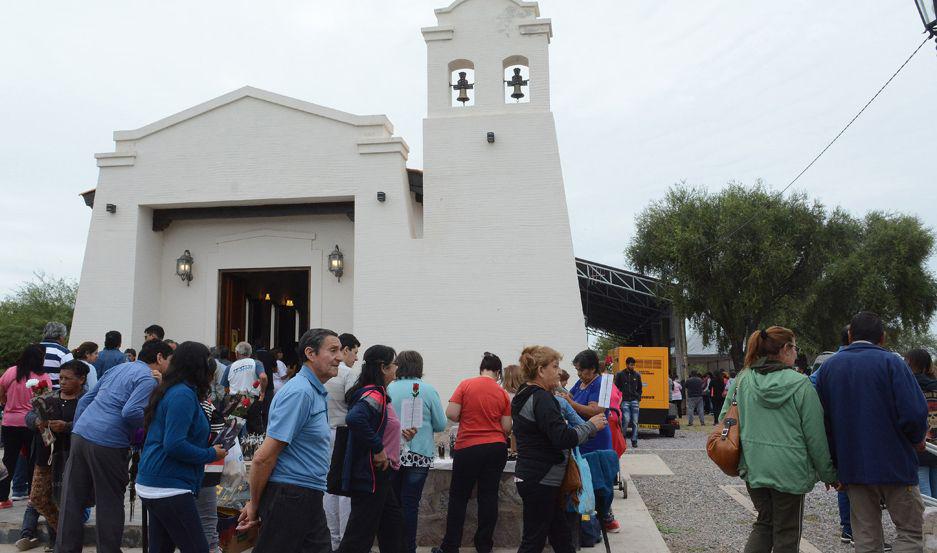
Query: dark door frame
pixel 219 331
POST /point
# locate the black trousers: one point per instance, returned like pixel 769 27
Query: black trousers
pixel 95 475
pixel 174 523
pixel 779 524
pixel 375 514
pixel 483 465
pixel 544 517
pixel 13 438
pixel 292 519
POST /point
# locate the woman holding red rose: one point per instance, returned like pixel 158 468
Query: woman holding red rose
pixel 417 453
pixel 17 401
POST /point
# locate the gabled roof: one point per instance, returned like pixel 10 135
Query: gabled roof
pixel 267 96
pixel 457 3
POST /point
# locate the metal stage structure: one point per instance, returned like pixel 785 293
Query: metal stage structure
pixel 623 303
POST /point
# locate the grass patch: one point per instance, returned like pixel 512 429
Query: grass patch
pixel 664 529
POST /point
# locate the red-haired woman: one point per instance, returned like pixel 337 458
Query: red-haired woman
pixel 784 445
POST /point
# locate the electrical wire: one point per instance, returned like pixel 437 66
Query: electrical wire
pixel 823 151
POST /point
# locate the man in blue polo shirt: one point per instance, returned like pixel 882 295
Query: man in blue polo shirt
pixel 288 471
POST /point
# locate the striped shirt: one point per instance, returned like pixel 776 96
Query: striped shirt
pixel 56 355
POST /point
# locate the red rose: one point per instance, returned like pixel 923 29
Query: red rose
pixel 416 388
pixel 255 384
pixel 608 360
pixel 246 402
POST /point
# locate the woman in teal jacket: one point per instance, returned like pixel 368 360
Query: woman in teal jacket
pixel 783 439
pixel 417 455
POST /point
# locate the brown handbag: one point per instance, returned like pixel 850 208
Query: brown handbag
pixel 572 481
pixel 724 445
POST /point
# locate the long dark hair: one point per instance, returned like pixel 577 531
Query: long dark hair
pixel 189 364
pixel 30 361
pixel 375 359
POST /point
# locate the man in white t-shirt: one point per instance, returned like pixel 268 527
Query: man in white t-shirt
pixel 240 376
pixel 338 507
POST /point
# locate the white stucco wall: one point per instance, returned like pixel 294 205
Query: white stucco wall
pixel 301 242
pixel 485 264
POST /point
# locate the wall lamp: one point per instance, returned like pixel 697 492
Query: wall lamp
pixel 184 267
pixel 337 263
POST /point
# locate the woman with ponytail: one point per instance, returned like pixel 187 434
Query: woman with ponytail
pixel 783 439
pixel 367 473
pixel 87 353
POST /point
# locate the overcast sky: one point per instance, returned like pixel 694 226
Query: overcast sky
pixel 645 93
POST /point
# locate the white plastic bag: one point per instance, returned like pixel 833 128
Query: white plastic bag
pixel 233 491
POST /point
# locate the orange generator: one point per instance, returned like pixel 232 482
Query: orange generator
pixel 653 364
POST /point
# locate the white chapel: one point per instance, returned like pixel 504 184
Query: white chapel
pixel 269 195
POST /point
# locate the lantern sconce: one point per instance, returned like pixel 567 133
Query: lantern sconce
pixel 337 263
pixel 928 11
pixel 184 267
pixel 289 303
pixel 267 296
pixel 491 137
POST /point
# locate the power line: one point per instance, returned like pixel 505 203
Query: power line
pixel 823 151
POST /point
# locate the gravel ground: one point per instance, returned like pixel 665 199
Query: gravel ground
pixel 694 514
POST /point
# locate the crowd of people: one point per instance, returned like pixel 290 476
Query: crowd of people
pixel 858 424
pixel 347 450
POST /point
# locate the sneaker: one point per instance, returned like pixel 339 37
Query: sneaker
pixel 19 497
pixel 887 546
pixel 845 537
pixel 634 443
pixel 6 504
pixel 27 543
pixel 612 526
pixel 50 549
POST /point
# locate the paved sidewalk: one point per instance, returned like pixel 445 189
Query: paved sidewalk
pixel 639 533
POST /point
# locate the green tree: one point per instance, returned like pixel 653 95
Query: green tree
pixel 24 313
pixel 605 343
pixel 793 263
pixel 880 267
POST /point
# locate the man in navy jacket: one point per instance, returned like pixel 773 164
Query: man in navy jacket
pixel 876 417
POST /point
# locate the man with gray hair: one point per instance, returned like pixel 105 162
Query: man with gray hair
pixel 289 470
pixel 53 339
pixel 239 378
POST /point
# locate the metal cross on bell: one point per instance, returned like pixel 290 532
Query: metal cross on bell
pixel 463 86
pixel 517 82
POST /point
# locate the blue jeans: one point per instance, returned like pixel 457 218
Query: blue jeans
pixel 629 414
pixel 408 485
pixel 843 499
pixel 927 480
pixel 175 524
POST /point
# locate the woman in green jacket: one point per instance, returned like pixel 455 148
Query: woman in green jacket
pixel 783 439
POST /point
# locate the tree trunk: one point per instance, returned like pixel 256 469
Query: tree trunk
pixel 737 353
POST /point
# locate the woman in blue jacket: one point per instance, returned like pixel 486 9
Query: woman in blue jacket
pixel 366 475
pixel 175 452
pixel 418 453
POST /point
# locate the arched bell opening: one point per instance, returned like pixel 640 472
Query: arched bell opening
pixel 516 80
pixel 462 83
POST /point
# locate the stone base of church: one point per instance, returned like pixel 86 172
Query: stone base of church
pixel 435 505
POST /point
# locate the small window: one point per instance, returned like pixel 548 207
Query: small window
pixel 516 80
pixel 462 83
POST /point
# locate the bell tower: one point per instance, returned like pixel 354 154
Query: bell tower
pixel 494 204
